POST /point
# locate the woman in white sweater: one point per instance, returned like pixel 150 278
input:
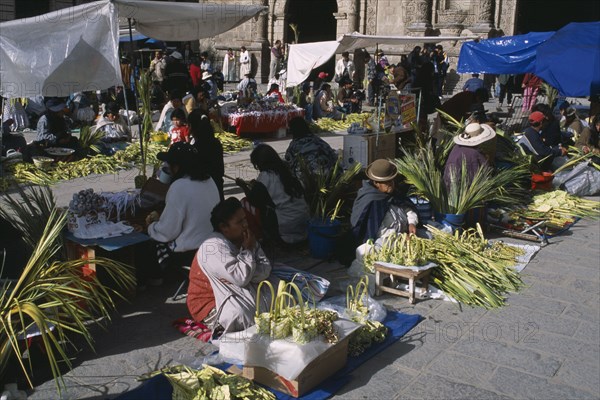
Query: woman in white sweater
pixel 185 222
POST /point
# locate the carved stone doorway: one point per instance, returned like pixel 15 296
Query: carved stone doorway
pixel 315 20
pixel 316 23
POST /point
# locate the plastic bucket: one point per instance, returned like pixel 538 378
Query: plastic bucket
pixel 322 237
pixel 453 221
pixel 476 216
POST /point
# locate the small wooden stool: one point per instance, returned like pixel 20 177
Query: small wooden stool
pixel 380 280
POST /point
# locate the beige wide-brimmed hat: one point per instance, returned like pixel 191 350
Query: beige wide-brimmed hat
pixel 206 75
pixel 475 134
pixel 381 171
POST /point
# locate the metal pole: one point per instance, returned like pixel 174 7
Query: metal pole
pixel 140 133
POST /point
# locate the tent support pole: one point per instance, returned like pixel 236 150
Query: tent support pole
pixel 131 60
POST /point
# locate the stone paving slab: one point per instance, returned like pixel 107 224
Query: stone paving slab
pixel 544 344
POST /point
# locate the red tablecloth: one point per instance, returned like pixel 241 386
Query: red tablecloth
pixel 261 121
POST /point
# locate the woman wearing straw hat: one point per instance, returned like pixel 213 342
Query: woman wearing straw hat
pixel 469 149
pixel 380 208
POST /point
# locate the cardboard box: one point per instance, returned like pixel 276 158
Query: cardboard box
pixel 367 148
pixel 316 372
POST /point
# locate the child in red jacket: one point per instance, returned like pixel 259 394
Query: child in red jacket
pixel 179 131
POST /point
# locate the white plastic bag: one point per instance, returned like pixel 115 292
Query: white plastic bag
pixel 583 180
pixel 284 357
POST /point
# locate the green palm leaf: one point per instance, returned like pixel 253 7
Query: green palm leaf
pixel 53 297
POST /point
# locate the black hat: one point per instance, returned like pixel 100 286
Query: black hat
pixel 179 153
pixel 112 108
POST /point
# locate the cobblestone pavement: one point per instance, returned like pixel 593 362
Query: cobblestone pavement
pixel 544 345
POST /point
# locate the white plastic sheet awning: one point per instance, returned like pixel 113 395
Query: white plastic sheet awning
pixel 304 57
pixel 76 49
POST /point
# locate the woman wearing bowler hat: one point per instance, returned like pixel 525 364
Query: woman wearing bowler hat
pixel 185 221
pixel 468 150
pixel 380 208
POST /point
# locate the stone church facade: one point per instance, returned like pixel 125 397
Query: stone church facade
pixel 486 18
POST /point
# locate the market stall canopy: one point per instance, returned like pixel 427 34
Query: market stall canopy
pixel 304 57
pixel 504 55
pixel 76 48
pixel 135 35
pixel 570 59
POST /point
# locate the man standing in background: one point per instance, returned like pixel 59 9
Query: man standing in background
pixel 344 68
pixel 276 58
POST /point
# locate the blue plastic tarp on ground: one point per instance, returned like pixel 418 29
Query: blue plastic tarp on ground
pixel 504 55
pixel 570 59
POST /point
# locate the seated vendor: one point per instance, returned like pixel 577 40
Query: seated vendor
pixel 469 149
pixel 308 149
pixel 185 221
pixel 274 92
pixel 52 131
pixel 588 140
pixel 175 101
pixel 234 264
pixel 323 105
pixel 279 197
pixel 549 157
pixel 380 209
pixel 116 131
pixel 348 103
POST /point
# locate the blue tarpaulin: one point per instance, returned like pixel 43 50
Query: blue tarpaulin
pixel 504 55
pixel 136 37
pixel 570 59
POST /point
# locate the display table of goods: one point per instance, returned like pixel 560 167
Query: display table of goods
pixel 260 117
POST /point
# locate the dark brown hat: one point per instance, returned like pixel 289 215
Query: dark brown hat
pixel 381 171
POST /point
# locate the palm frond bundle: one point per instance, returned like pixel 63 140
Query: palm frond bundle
pixel 52 296
pixel 420 170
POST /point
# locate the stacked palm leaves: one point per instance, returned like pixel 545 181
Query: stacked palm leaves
pixel 425 175
pixel 577 156
pixel 399 249
pixel 323 125
pixel 51 295
pixel 289 315
pixel 210 383
pixel 559 205
pixel 98 164
pixel 470 269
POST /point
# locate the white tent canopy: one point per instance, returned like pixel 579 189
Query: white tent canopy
pixel 304 57
pixel 76 49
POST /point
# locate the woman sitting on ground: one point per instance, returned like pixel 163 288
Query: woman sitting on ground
pixel 185 221
pixel 279 197
pixel 233 263
pixel 308 148
pixel 380 207
pixel 274 92
pixel 323 105
pixel 115 130
pixel 588 140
